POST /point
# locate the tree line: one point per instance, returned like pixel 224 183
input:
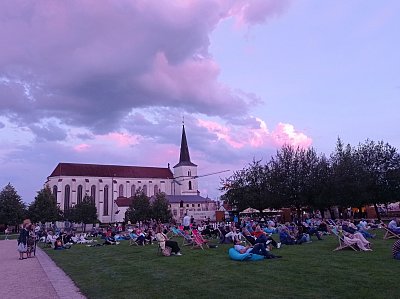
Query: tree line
pixel 43 209
pixel 352 176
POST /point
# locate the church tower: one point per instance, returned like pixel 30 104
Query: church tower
pixel 185 172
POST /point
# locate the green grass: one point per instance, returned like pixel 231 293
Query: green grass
pixel 9 237
pixel 306 271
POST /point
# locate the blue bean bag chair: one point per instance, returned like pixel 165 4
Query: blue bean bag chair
pixel 237 256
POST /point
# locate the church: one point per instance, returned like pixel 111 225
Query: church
pixel 113 186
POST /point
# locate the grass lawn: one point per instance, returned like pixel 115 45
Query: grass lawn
pixel 306 271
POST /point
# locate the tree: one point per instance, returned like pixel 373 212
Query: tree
pixel 348 177
pixel 84 212
pixel 380 163
pixel 292 172
pixel 159 208
pixel 44 208
pixel 140 209
pixel 12 209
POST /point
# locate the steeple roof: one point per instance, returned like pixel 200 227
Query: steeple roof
pixel 184 157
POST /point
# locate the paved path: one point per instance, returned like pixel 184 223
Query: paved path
pixel 37 277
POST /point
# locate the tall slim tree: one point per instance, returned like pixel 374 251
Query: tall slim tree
pixel 84 212
pixel 12 209
pixel 44 208
pixel 140 209
pixel 159 208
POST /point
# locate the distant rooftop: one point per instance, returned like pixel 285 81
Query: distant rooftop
pixel 98 170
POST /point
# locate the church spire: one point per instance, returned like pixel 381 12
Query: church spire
pixel 184 157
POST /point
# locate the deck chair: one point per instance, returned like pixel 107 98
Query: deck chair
pixel 342 243
pixel 389 234
pixel 174 232
pixel 186 238
pixel 199 240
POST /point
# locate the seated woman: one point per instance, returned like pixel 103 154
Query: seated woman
pixel 164 242
pixel 256 249
pixel 357 239
pixel 286 238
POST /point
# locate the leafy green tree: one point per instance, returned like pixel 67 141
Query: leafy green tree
pixel 248 187
pixel 140 208
pixel 12 209
pixel 235 190
pixel 44 208
pixel 292 174
pixel 160 208
pixel 348 177
pixel 380 163
pixel 84 212
pixel 321 182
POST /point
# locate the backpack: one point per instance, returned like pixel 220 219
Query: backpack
pixel 167 251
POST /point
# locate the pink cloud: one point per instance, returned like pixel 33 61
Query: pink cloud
pixel 83 147
pixel 120 139
pixel 287 134
pixel 259 137
pixel 222 132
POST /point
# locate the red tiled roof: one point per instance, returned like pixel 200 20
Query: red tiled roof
pixel 97 170
pixel 123 201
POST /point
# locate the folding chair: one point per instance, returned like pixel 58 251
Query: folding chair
pixel 389 234
pixel 342 243
pixel 198 239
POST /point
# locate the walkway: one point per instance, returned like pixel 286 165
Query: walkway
pixel 37 277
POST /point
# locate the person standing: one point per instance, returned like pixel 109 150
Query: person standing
pixel 23 240
pixel 186 222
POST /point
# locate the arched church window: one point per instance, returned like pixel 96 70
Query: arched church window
pixel 79 195
pixel 55 190
pixel 133 190
pixel 145 189
pixel 121 190
pixel 67 195
pixel 93 193
pixel 190 185
pixel 105 206
pixel 156 190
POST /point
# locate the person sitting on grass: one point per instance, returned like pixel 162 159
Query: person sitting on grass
pixel 59 245
pixel 258 248
pixel 310 230
pixel 396 250
pixel 259 237
pixel 285 237
pixel 165 242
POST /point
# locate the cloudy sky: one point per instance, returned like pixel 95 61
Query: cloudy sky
pixel 108 82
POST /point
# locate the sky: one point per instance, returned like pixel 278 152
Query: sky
pixel 109 82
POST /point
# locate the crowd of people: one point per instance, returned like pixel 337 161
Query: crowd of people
pixel 246 234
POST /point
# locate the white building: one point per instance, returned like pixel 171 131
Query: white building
pixel 112 186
